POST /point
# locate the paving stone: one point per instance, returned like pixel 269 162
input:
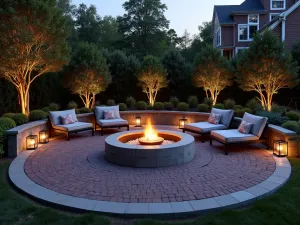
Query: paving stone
pixel 269 185
pixel 111 207
pixel 257 190
pixel 242 196
pixel 276 179
pixel 137 208
pixel 226 200
pixel 160 208
pixel 204 204
pixel 181 207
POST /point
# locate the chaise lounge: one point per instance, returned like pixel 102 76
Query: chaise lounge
pixel 250 131
pixel 204 128
pixel 109 117
pixel 66 121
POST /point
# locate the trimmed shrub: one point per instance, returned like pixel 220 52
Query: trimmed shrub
pixel 168 105
pixel 45 109
pixel 158 106
pixel 229 103
pixel 8 115
pixel 174 101
pixel 236 107
pixel 130 102
pixel 53 106
pixel 111 102
pixel 293 115
pixel 72 105
pixel 182 106
pixel 203 108
pixel 20 119
pixel 97 103
pixel 77 111
pixel 208 101
pixel 241 112
pixel 292 125
pixel 149 107
pixel 122 107
pixel 5 124
pixel 193 102
pixel 278 109
pixel 35 115
pixel 219 106
pixel 141 105
pixel 273 118
pixel 85 110
pixel 253 104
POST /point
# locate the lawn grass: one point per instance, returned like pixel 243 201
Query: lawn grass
pixel 281 208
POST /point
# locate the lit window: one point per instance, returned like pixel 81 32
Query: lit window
pixel 253 19
pixel 219 37
pixel 277 4
pixel 273 16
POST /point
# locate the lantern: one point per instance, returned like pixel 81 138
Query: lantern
pixel 182 122
pixel 44 137
pixel 138 121
pixel 280 148
pixel 31 142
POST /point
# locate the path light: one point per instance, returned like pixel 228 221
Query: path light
pixel 31 142
pixel 182 122
pixel 280 148
pixel 44 137
pixel 138 121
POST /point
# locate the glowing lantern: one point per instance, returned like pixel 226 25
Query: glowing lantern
pixel 31 142
pixel 138 120
pixel 182 122
pixel 280 148
pixel 44 137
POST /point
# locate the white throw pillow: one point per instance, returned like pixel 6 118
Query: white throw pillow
pixel 214 118
pixel 245 127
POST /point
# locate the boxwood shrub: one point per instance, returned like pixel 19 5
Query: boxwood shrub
pixel 122 107
pixel 253 104
pixel 174 101
pixel 208 101
pixel 158 106
pixel 45 109
pixel 241 112
pixel 35 115
pixel 20 119
pixel 85 110
pixel 203 108
pixel 292 125
pixel 229 103
pixel 219 106
pixel 53 106
pixel 182 106
pixel 293 116
pixel 168 106
pixel 149 107
pixel 236 107
pixel 8 115
pixel 72 105
pixel 111 102
pixel 5 124
pixel 141 105
pixel 193 102
pixel 130 102
pixel 273 118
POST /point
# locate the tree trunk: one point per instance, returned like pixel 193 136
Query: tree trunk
pixel 93 101
pixel 24 100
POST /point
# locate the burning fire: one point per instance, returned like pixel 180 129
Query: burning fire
pixel 150 133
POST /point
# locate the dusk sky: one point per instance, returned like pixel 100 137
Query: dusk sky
pixel 182 14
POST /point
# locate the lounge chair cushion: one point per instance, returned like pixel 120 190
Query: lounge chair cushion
pixel 230 136
pixel 204 127
pixel 74 126
pixel 55 116
pixel 99 111
pixel 113 122
pixel 226 116
pixel 258 122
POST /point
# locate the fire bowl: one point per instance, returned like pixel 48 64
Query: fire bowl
pixel 181 151
pixel 145 141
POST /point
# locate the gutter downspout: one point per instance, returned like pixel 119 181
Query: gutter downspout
pixel 283 29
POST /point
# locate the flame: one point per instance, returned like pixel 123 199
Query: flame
pixel 150 133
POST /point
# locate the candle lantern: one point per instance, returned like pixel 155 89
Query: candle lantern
pixel 44 137
pixel 138 120
pixel 31 142
pixel 182 122
pixel 280 148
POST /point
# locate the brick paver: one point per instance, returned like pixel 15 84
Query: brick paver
pixel 78 168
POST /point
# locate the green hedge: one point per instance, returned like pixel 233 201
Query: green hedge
pixel 20 119
pixel 174 101
pixel 293 115
pixel 85 110
pixel 122 106
pixel 5 124
pixel 53 106
pixel 141 105
pixel 130 102
pixel 72 105
pixel 37 115
pixel 237 107
pixel 292 125
pixel 111 102
pixel 8 115
pixel 273 118
pixel 241 112
pixel 158 106
pixel 203 108
pixel 168 106
pixel 229 103
pixel 182 106
pixel 219 106
pixel 149 107
pixel 193 102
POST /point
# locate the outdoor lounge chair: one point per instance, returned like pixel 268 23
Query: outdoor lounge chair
pixel 116 122
pixel 75 127
pixel 234 136
pixel 204 128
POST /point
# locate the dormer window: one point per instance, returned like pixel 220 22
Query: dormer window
pixel 278 4
pixel 253 19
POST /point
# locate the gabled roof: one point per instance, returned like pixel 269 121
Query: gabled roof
pixel 225 12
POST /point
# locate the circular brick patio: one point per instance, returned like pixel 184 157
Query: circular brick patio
pixel 78 168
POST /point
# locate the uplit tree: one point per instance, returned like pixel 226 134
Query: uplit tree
pixel 212 72
pixel 266 68
pixel 32 42
pixel 89 74
pixel 152 77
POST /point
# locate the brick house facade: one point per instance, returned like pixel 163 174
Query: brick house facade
pixel 235 25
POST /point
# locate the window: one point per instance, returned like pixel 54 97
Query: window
pixel 277 4
pixel 219 36
pixel 273 15
pixel 246 32
pixel 253 19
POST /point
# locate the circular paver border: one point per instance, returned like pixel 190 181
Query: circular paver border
pixel 20 180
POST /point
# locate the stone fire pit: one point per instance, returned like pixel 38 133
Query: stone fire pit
pixel 180 150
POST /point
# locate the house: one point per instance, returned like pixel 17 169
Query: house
pixel 235 25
